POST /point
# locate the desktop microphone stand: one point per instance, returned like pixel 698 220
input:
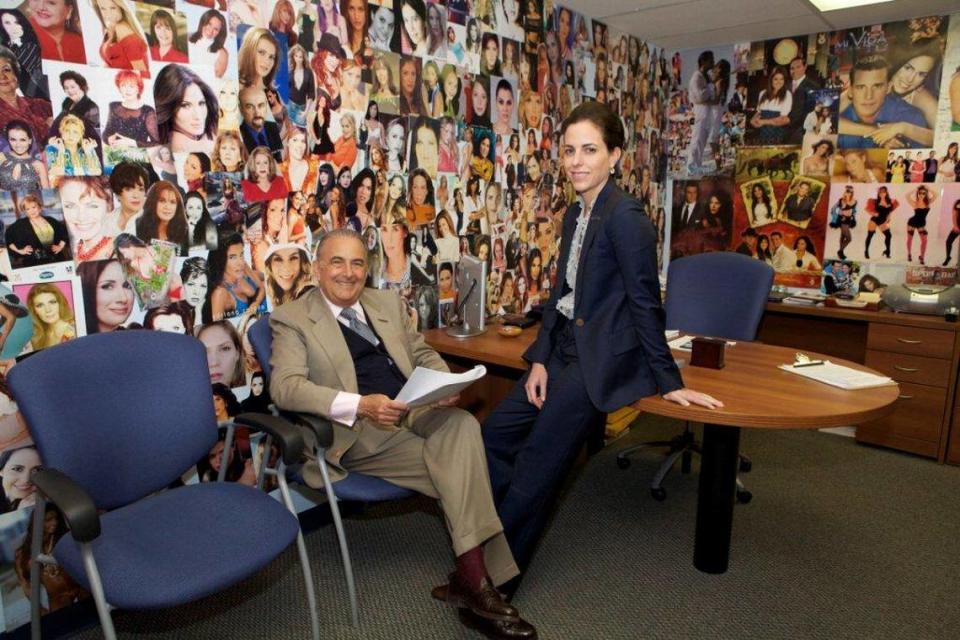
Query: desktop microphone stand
pixel 462 329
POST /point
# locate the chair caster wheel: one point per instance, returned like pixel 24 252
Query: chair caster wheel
pixel 744 497
pixel 745 466
pixel 659 494
pixel 623 463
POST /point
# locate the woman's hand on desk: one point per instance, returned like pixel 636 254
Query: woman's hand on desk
pixel 686 397
pixel 536 386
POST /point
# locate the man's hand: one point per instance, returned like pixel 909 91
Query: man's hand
pixel 381 409
pixel 536 386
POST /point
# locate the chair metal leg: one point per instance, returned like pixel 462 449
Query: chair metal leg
pixel 301 549
pixel 96 589
pixel 640 447
pixel 36 548
pixel 341 538
pixel 665 468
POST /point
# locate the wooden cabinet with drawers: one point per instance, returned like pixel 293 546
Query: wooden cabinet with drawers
pixel 920 352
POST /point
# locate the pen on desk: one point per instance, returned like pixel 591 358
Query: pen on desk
pixel 808 364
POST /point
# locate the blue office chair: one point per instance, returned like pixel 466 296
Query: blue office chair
pixel 117 418
pixel 722 295
pixel 355 487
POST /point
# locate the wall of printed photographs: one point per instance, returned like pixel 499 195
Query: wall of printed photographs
pixel 831 156
pixel 169 165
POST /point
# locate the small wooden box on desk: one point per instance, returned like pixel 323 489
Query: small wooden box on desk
pixel 919 352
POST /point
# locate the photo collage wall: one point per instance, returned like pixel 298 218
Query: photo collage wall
pixel 830 156
pixel 170 165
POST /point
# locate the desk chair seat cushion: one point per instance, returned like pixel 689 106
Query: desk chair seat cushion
pixel 182 544
pixel 357 487
pixel 363 488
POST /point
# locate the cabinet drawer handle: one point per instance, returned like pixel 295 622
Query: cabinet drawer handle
pixel 905 369
pixel 908 341
pixel 904 396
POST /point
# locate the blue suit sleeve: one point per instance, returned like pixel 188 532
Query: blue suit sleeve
pixel 635 244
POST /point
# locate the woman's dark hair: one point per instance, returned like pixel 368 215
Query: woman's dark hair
pixel 763 253
pixel 820 143
pixel 148 223
pixel 127 175
pixel 422 122
pixel 199 237
pixel 221 38
pixel 204 160
pixel 76 77
pixel 370 105
pixel 168 90
pixel 421 172
pixel 223 391
pixel 217 263
pixel 90 272
pixel 365 174
pixel 810 248
pixel 159 16
pixel 192 268
pixel 601 116
pixel 179 308
pixel 28 35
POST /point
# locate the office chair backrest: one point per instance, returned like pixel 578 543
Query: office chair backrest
pixel 261 338
pixel 124 414
pixel 720 294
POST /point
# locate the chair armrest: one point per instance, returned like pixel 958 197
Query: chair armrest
pixel 321 427
pixel 289 438
pixel 73 501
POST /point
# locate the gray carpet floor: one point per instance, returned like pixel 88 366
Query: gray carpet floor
pixel 840 541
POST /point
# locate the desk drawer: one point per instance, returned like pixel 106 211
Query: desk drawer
pixel 911 340
pixel 907 368
pixel 917 415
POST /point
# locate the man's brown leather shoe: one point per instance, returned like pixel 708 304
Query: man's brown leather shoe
pixel 498 630
pixel 485 602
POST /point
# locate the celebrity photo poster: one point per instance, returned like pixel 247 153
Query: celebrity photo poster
pixel 908 57
pixel 785 76
pixel 706 114
pixel 947 137
pixel 779 215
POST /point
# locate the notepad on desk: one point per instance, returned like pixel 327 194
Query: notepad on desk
pixel 839 376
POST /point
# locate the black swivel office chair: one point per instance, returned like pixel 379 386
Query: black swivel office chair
pixel 721 295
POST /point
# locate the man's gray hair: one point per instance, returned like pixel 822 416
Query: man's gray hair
pixel 345 232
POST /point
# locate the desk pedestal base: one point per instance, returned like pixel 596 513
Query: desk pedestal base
pixel 718 487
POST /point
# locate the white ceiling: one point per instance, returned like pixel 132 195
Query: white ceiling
pixel 688 24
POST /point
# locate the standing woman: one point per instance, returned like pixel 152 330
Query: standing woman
pixel 949 164
pixel 880 209
pixel 922 200
pixel 385 91
pixel 57 25
pixel 954 230
pixel 207 43
pixel 449 152
pixel 373 126
pixel 187 110
pixel 613 354
pixel 123 46
pixel 843 216
pixel 36 239
pixel 303 89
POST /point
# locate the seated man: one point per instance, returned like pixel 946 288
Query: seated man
pixel 876 117
pixel 342 352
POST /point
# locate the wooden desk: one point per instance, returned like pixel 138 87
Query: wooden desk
pixel 501 356
pixel 922 353
pixel 757 395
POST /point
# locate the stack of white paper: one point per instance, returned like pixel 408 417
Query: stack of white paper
pixel 839 376
pixel 427 385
